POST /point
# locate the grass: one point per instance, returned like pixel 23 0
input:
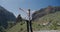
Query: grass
pixel 54 18
pixel 18 28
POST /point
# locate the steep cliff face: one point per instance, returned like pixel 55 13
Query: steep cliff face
pixel 44 11
pixel 5 16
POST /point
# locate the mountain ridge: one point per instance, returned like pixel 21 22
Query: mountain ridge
pixel 6 16
pixel 44 11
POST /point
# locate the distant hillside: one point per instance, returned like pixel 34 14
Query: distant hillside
pixel 44 11
pixel 5 16
pixel 47 22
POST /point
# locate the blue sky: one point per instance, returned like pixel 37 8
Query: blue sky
pixel 13 5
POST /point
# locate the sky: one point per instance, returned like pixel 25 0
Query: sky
pixel 14 5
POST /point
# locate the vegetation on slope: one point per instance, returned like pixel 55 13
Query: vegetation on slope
pixel 19 27
pixel 47 22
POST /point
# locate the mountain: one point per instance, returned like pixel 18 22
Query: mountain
pixel 5 16
pixel 49 19
pixel 47 22
pixel 44 11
